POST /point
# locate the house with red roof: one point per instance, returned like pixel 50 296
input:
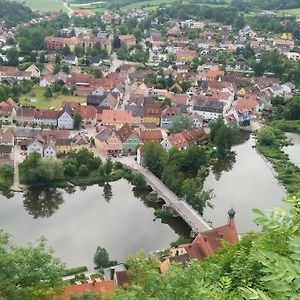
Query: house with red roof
pixel 204 245
pixel 98 287
pixel 128 39
pixel 116 118
pixel 184 139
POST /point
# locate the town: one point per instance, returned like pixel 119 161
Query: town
pixel 158 98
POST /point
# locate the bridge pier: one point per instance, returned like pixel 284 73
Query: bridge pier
pixel 170 210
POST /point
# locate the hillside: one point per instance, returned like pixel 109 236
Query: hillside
pixel 265 4
pixel 13 13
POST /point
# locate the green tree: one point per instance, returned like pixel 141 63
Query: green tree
pixel 28 272
pixel 108 166
pixel 83 170
pixel 154 157
pixel 77 121
pixel 223 136
pixel 101 258
pixel 12 56
pixel 48 93
pixel 180 123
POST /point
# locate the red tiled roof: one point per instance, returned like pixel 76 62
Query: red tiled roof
pixel 151 135
pixel 96 287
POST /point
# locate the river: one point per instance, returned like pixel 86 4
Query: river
pixel 243 181
pixel 77 220
pixel 294 150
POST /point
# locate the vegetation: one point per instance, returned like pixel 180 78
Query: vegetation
pixel 43 102
pixel 181 123
pixel 101 259
pixel 223 136
pixel 13 13
pixel 6 177
pixel 262 265
pixel 74 271
pixel 28 272
pixel 190 167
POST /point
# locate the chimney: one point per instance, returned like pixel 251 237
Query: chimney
pixel 205 238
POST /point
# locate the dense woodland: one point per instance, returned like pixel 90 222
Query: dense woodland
pixel 13 13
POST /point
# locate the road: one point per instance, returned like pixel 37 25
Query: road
pixel 17 187
pixel 115 63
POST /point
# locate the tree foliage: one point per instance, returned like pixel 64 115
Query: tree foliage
pixel 28 272
pixel 263 265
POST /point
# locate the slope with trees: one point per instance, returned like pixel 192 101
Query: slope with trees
pixel 13 13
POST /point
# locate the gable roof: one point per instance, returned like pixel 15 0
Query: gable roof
pixel 125 132
pixel 96 287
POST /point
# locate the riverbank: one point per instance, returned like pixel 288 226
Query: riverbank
pixel 286 172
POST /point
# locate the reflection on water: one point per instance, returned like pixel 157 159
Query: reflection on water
pixel 223 165
pixel 75 222
pixel 244 182
pixel 107 192
pixel 42 203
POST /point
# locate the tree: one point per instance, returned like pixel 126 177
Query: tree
pixel 12 56
pixel 77 121
pixel 108 167
pixel 101 259
pixel 292 111
pixel 28 272
pixel 223 136
pixel 180 123
pixel 154 157
pixel 65 51
pixel 48 93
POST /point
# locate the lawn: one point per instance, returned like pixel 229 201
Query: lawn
pixel 292 12
pixel 44 5
pixel 44 103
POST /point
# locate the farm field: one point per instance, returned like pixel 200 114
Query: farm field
pixel 292 12
pixel 44 5
pixel 44 103
pixel 148 3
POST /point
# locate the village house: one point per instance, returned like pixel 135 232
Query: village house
pixel 128 39
pixel 65 118
pixel 182 140
pixel 152 112
pixel 46 81
pixel 117 118
pixel 7 138
pixel 34 70
pixel 208 109
pixel 97 287
pixel 129 139
pixel 7 112
pixel 25 115
pixel 88 114
pixel 182 56
pixel 151 136
pixel 168 114
pixel 49 150
pixel 204 245
pixel 108 143
pixel 79 142
pixel 47 117
pixel 63 145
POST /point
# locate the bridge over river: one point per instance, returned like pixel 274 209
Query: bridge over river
pixel 178 205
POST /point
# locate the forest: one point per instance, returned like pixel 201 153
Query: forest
pixel 13 13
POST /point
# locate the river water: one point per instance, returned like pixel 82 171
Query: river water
pixel 243 181
pixel 76 221
pixel 294 150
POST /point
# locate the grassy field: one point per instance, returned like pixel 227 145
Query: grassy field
pixel 292 12
pixel 147 4
pixel 44 103
pixel 44 5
